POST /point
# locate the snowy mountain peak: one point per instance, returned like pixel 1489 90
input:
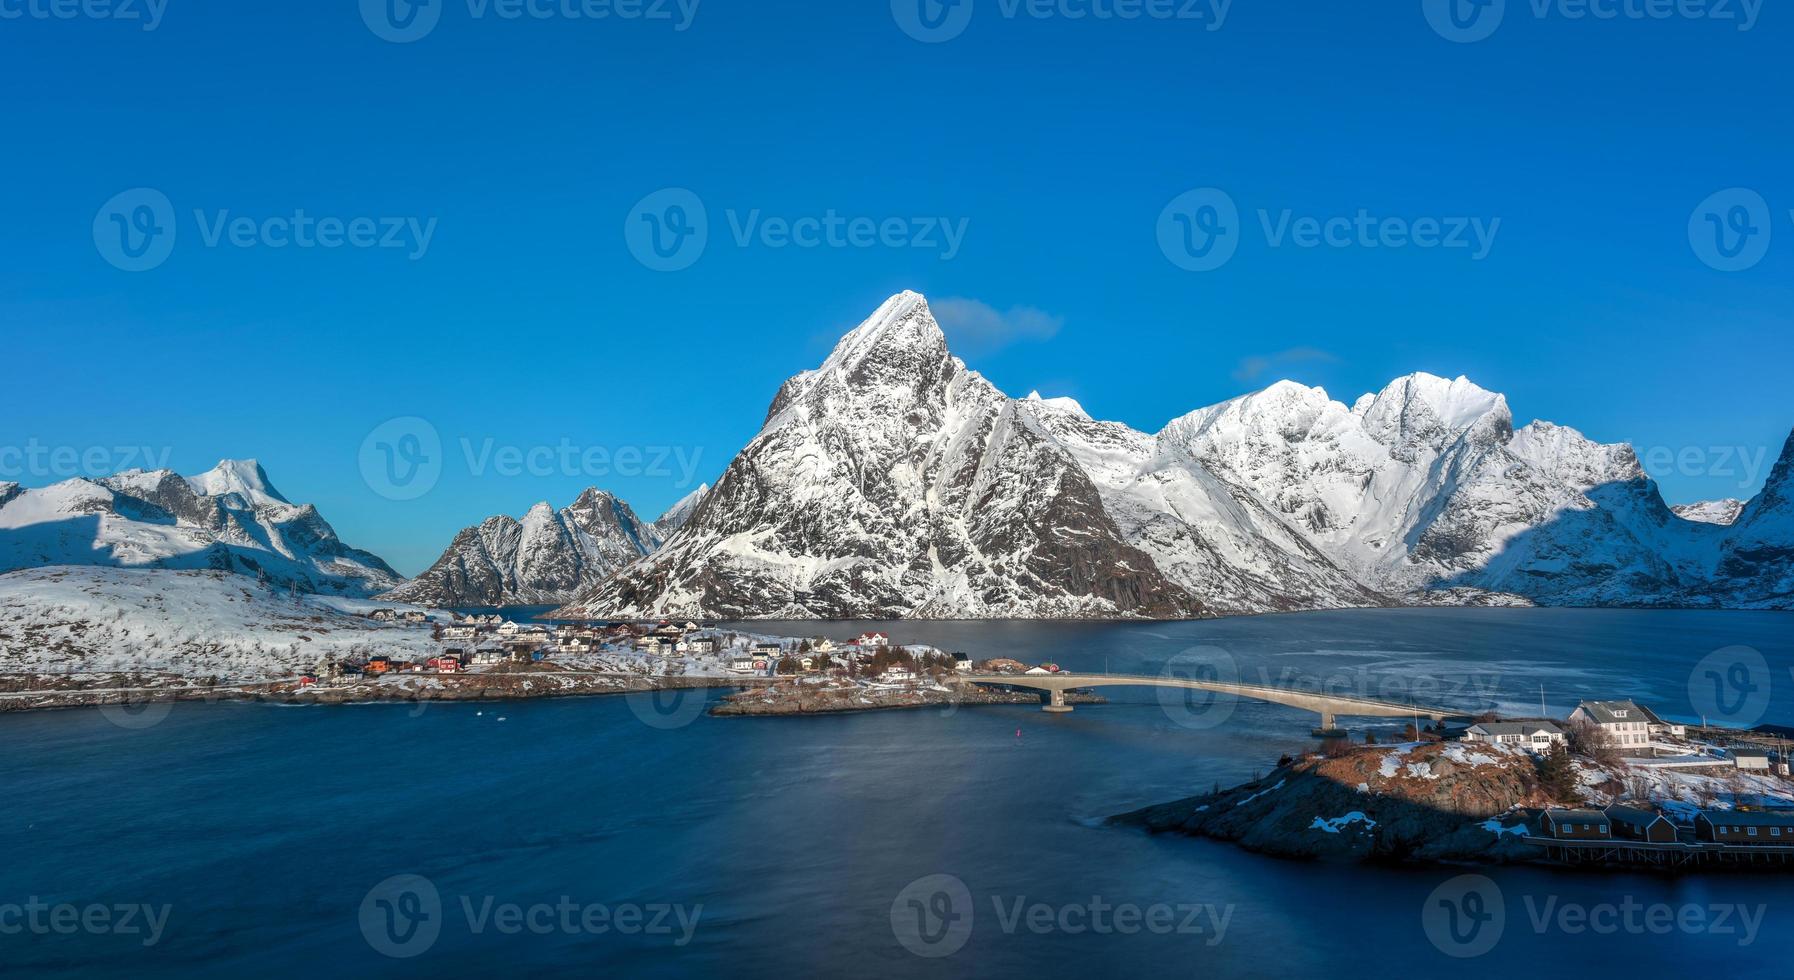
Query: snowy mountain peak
pixel 903 327
pixel 240 476
pixel 1061 404
pixel 1426 411
pixel 679 513
pixel 1722 512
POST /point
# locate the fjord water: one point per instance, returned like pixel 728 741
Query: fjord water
pixel 262 829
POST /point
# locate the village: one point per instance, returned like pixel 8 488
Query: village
pixel 487 643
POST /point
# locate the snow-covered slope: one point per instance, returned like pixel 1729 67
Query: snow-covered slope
pixel 1723 512
pixel 194 623
pixel 545 558
pixel 679 513
pixel 892 481
pixel 230 518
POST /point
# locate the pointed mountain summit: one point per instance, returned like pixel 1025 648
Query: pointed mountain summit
pixel 547 557
pixel 891 481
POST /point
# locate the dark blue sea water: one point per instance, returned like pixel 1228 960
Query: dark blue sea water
pixel 793 847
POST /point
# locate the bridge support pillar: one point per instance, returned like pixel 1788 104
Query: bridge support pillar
pixel 1056 702
pixel 1329 727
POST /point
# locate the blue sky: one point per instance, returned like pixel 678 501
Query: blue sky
pixel 1053 144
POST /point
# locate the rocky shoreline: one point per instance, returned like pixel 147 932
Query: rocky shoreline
pixel 514 682
pixel 794 697
pixel 1430 803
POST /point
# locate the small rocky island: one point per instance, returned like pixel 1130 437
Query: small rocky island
pixel 1442 802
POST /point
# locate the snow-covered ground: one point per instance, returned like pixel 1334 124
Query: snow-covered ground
pixel 193 623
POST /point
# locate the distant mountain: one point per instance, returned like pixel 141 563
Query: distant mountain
pixel 892 481
pixel 545 558
pixel 229 519
pixel 679 513
pixel 1723 512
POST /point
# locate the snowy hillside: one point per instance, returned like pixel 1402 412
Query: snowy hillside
pixel 230 518
pixel 545 558
pixel 193 623
pixel 893 481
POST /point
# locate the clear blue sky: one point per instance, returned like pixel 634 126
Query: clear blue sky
pixel 1056 141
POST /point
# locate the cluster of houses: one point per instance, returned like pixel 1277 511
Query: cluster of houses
pixel 1628 727
pixel 1635 824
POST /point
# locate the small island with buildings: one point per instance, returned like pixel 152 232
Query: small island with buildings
pixel 1612 786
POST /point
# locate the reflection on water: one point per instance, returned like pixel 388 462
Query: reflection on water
pixel 265 831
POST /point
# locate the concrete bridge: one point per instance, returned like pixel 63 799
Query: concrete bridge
pixel 1328 706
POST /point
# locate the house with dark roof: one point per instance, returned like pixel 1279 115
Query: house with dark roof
pixel 1635 823
pixel 1746 828
pixel 1577 825
pixel 1626 725
pixel 1539 736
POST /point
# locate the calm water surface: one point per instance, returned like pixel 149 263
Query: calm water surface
pixel 263 829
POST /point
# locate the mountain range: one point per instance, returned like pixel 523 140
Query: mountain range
pixel 892 481
pixel 229 518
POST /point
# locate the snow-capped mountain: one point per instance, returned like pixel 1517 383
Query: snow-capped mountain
pixel 229 519
pixel 893 481
pixel 679 513
pixel 547 557
pixel 1724 512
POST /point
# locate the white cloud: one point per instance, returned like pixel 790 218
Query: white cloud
pixel 1251 368
pixel 975 325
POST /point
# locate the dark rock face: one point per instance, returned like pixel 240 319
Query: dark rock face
pixel 1451 802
